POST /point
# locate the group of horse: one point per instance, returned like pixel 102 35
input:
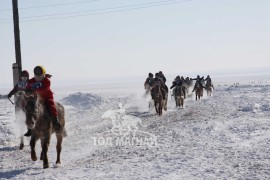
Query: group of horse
pixel 179 93
pixel 39 120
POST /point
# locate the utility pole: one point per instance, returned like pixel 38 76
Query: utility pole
pixel 17 67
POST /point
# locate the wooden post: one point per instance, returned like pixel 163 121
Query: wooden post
pixel 17 42
pixel 17 67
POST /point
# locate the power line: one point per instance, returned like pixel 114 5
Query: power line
pixel 51 5
pixel 107 12
pixel 95 10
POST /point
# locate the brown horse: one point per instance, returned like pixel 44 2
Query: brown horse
pixel 179 96
pixel 39 120
pixel 198 91
pixel 158 99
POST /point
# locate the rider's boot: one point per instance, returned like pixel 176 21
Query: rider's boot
pixel 28 133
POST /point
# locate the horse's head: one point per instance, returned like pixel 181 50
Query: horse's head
pixel 155 91
pixel 178 90
pixel 31 109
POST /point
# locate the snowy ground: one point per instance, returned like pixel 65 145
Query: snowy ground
pixel 226 136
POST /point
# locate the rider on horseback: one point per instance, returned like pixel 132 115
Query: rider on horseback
pixel 187 81
pixel 182 79
pixel 149 80
pixel 160 84
pixel 209 81
pixel 198 81
pixel 177 82
pixel 163 79
pixel 161 75
pixel 21 84
pixel 41 85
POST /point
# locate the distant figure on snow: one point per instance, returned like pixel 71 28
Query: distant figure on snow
pixel 199 81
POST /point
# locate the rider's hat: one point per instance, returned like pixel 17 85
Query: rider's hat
pixel 25 73
pixel 39 71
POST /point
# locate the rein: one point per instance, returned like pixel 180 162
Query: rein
pixel 11 101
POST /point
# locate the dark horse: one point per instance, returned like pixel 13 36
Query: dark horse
pixel 179 96
pixel 198 91
pixel 39 120
pixel 158 99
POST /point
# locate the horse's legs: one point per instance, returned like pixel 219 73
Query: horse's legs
pixel 202 93
pixel 59 137
pixel 45 146
pixel 166 102
pixel 41 154
pixel 22 143
pixel 32 145
pixel 156 106
pixel 160 109
pixel 182 102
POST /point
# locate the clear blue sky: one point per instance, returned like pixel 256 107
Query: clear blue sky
pixel 190 36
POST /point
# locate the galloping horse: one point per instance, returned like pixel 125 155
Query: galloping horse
pixel 185 89
pixel 179 96
pixel 198 91
pixel 209 88
pixel 39 120
pixel 158 99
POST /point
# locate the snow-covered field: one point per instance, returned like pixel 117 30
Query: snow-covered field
pixel 113 135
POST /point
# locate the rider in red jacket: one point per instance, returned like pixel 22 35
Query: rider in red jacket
pixel 41 84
